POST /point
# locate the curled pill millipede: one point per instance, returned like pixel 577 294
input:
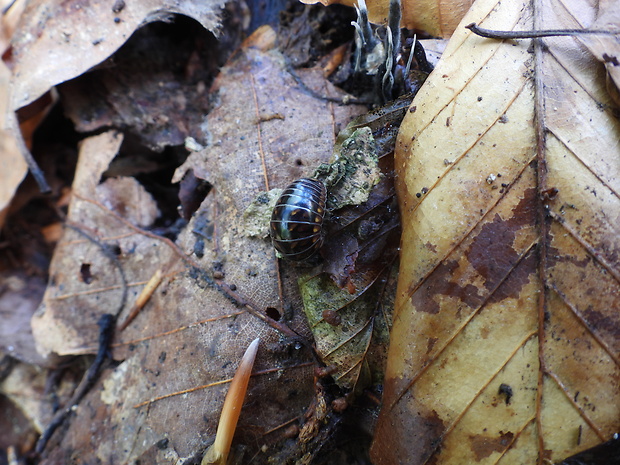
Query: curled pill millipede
pixel 297 219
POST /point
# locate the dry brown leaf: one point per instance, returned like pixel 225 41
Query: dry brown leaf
pixel 11 14
pixel 19 298
pixel 194 328
pixel 438 18
pixel 58 40
pixel 10 157
pixel 505 346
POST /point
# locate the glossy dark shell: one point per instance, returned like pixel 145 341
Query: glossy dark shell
pixel 297 219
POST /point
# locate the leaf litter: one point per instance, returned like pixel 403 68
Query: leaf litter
pixel 212 237
pixel 197 318
pixel 187 297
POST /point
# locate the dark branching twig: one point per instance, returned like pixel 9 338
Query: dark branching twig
pixel 106 332
pixel 32 164
pixel 106 323
pixel 110 255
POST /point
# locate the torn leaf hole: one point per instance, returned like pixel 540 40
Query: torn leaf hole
pixel 85 273
pixel 273 313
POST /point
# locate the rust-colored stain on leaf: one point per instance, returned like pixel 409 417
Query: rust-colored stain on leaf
pixel 483 446
pixel 491 253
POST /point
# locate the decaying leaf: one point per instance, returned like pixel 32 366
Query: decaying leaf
pixel 505 344
pixel 58 41
pixel 16 169
pixel 52 45
pixel 437 18
pixel 348 306
pixel 214 298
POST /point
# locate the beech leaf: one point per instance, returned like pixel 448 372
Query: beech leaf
pixel 505 346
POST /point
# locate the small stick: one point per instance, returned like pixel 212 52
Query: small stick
pixel 36 172
pixel 217 453
pixel 492 34
pixel 106 333
pixel 142 299
pixel 109 253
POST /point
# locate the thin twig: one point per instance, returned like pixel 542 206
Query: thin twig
pixel 106 333
pixel 32 164
pixel 109 253
pixel 493 34
pixel 345 100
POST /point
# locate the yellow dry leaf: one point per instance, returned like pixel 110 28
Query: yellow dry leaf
pixel 438 18
pixel 505 346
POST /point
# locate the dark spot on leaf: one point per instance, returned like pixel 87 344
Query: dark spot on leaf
pixel 599 322
pixel 611 59
pixel 273 313
pixel 116 249
pixel 440 283
pixel 430 344
pixel 518 278
pixel 492 255
pixel 491 252
pixel 505 390
pixel 85 273
pixel 162 444
pixel 431 247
